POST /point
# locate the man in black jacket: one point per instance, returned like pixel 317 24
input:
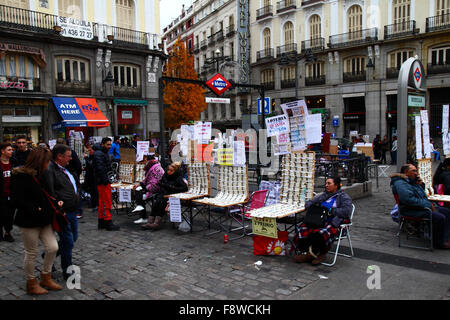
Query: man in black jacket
pixel 102 167
pixel 7 207
pixel 21 154
pixel 63 186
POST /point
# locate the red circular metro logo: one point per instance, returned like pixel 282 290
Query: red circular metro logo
pixel 218 84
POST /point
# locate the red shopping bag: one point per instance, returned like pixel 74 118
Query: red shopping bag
pixel 264 246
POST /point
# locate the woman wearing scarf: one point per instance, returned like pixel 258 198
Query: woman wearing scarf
pixel 153 174
pixel 314 243
pixel 172 182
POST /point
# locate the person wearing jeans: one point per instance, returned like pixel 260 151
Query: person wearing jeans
pixel 63 186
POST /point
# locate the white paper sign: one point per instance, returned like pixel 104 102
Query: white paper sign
pixel 76 28
pixel 51 144
pixel 426 134
pixel 445 136
pixel 277 125
pixel 239 154
pixel 418 138
pixel 124 195
pixel 202 132
pixel 314 128
pixel 175 209
pixel 142 150
pixel 187 132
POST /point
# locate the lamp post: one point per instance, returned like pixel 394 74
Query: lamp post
pixel 216 59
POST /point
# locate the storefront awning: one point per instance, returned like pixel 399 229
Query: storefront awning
pixel 80 112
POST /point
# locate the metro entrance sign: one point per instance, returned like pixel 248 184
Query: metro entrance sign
pixel 218 84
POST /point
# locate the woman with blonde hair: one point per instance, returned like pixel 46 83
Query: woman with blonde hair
pixel 34 218
pixel 172 182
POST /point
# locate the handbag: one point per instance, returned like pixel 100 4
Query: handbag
pixel 316 216
pixel 60 220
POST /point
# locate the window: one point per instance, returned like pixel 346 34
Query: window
pixel 267 76
pixel 70 8
pixel 71 69
pixel 288 33
pixel 22 4
pixel 315 70
pixel 125 14
pixel 354 19
pixel 266 3
pixel 355 66
pixel 442 7
pixel 315 27
pixel 18 66
pixel 397 58
pixel 126 75
pixel 440 56
pixel 402 10
pixel 288 73
pixel 267 41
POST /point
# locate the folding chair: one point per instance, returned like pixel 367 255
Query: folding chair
pixel 344 233
pixel 405 220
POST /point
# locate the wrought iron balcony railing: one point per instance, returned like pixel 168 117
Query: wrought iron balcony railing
pixel 315 81
pixel 438 68
pixel 354 76
pixel 289 83
pixel 231 30
pixel 269 85
pixel 438 23
pixel 288 48
pixel 264 12
pixel 73 88
pixel 401 29
pixel 354 38
pixel 392 73
pixel 203 44
pixel 266 53
pixel 131 92
pixel 286 5
pixel 26 20
pixel 317 44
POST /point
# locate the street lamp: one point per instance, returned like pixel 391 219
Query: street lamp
pixel 216 59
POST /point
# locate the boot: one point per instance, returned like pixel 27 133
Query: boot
pixel 150 221
pixel 300 258
pixel 47 282
pixel 101 224
pixel 110 226
pixel 33 287
pixel 320 258
pixel 157 224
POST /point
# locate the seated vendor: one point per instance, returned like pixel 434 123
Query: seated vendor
pixel 147 187
pixel 172 182
pixel 314 243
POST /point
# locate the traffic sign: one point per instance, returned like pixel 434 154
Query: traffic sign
pixel 218 84
pixel 267 105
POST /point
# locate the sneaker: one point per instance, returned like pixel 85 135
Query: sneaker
pixel 138 208
pixel 8 237
pixel 79 216
pixel 140 221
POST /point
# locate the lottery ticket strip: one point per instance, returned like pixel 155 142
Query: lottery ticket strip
pixel 232 186
pixel 199 185
pixel 297 187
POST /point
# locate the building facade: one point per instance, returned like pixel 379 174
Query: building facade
pixel 105 50
pixel 343 57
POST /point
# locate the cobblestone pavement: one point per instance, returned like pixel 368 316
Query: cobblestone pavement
pixel 137 265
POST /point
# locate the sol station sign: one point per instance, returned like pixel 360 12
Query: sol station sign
pixel 218 84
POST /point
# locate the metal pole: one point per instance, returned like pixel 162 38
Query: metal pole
pixel 162 141
pixel 296 77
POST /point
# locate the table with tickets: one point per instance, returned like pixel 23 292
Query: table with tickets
pixel 199 186
pixel 233 190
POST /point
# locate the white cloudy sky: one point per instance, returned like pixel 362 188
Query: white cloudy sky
pixel 171 9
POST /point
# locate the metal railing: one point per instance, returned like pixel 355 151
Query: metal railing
pixel 264 12
pixel 230 30
pixel 129 38
pixel 73 88
pixel 289 83
pixel 266 53
pixel 287 48
pixel 131 92
pixel 392 73
pixel 354 76
pixel 438 23
pixel 317 44
pixel 315 81
pixel 438 68
pixel 204 44
pixel 401 29
pixel 26 20
pixel 354 38
pixel 269 85
pixel 285 5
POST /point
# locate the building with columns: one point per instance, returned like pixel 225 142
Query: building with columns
pixel 60 50
pixel 343 57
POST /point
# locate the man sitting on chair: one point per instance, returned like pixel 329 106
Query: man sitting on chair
pixel 413 203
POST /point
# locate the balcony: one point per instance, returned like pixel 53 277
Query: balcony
pixel 264 12
pixel 354 76
pixel 218 36
pixel 288 48
pixel 402 29
pixel 355 38
pixel 289 83
pixel 269 85
pixel 317 44
pixel 266 53
pixel 18 84
pixel 285 6
pixel 392 73
pixel 130 92
pixel 438 68
pixel 73 88
pixel 26 20
pixel 311 2
pixel 438 23
pixel 203 44
pixel 231 30
pixel 211 40
pixel 315 81
pixel 196 48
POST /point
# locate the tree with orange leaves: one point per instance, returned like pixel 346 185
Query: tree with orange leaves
pixel 186 100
